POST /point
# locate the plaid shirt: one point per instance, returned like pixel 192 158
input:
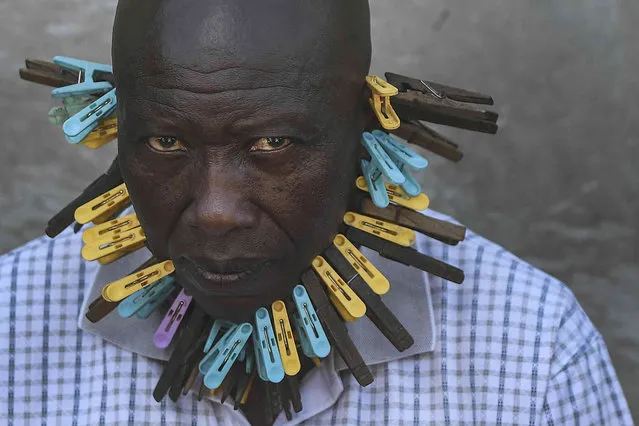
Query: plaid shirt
pixel 509 346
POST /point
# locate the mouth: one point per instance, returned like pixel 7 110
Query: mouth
pixel 221 277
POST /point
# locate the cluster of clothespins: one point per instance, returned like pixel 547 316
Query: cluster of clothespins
pixel 340 286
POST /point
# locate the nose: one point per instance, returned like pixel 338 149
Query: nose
pixel 221 205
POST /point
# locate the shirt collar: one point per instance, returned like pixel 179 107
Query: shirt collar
pixel 409 298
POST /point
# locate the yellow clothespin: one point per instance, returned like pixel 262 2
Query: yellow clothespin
pixel 381 92
pixel 110 228
pixel 113 243
pixel 103 134
pixel 371 275
pixel 398 196
pixel 101 208
pixel 285 340
pixel 386 230
pixel 347 303
pixel 118 290
pixel 110 258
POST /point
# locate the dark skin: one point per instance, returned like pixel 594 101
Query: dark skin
pixel 238 129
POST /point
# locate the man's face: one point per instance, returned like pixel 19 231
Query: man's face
pixel 240 171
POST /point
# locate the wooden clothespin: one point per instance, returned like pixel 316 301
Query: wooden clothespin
pixel 376 310
pixel 443 231
pixel 425 100
pixel 406 255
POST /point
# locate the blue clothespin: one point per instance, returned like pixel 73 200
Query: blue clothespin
pixel 145 311
pixel 81 124
pixel 218 325
pixel 132 304
pixel 269 362
pixel 375 184
pixel 309 329
pixel 380 161
pixel 374 171
pixel 86 69
pixel 404 158
pixel 216 364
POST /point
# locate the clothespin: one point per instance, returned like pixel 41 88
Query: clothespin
pixel 118 290
pixel 70 105
pixel 349 306
pixel 437 103
pixel 274 398
pixel 111 228
pixel 218 361
pixel 186 345
pixel 172 320
pixel 185 369
pixel 404 158
pixel 99 209
pixel 243 388
pixel 155 302
pixel 115 242
pixel 371 275
pixel 219 325
pixel 416 133
pixel 309 329
pixel 194 378
pixel 104 133
pixel 158 290
pixel 293 390
pixel 47 73
pixel 405 255
pixel 386 230
pixel 109 180
pixel 86 83
pixel 336 329
pixel 78 127
pixel 231 380
pixel 376 310
pixel 100 307
pixel 382 194
pixel 284 338
pixel 267 355
pixel 381 91
pixel 440 230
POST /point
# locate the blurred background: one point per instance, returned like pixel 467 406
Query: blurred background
pixel 558 185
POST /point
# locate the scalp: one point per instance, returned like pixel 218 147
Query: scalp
pixel 304 37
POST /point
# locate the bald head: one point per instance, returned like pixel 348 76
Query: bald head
pixel 328 38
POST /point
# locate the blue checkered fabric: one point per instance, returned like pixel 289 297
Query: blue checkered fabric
pixel 513 346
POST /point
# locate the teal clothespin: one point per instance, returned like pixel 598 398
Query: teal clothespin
pixel 218 326
pixel 309 329
pixel 149 307
pixel 82 123
pixel 216 364
pixel 380 161
pixel 86 69
pixel 267 354
pixel 132 304
pixel 404 158
pixel 375 183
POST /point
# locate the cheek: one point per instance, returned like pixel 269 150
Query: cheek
pixel 157 194
pixel 310 200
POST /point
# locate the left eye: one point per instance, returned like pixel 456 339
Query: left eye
pixel 270 144
pixel 165 144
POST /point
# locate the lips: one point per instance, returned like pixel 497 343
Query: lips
pixel 220 277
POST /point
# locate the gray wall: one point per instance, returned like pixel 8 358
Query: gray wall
pixel 558 185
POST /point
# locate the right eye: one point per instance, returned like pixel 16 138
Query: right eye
pixel 165 144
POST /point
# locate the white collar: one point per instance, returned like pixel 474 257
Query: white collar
pixel 409 298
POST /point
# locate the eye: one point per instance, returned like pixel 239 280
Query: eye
pixel 165 144
pixel 270 144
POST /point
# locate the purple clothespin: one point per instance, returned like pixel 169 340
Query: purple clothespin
pixel 172 320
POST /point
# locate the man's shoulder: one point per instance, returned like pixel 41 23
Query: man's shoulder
pixel 502 295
